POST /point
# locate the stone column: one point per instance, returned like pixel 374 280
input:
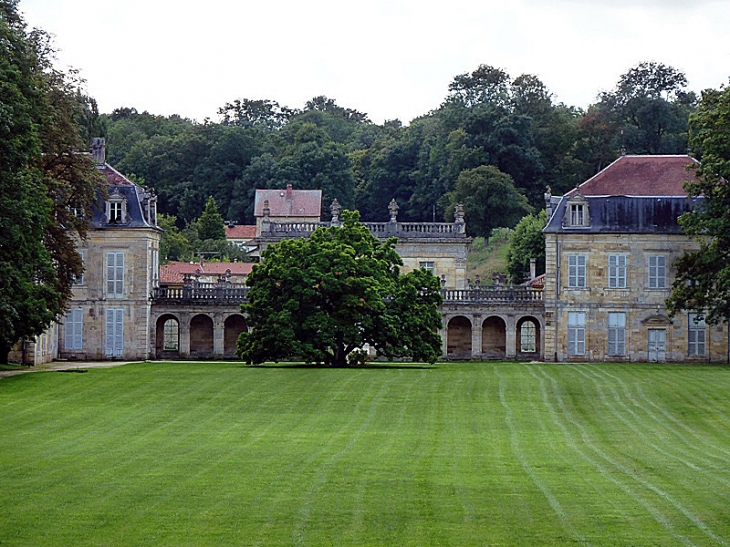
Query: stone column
pixel 184 334
pixel 444 334
pixel 218 335
pixel 511 335
pixel 476 337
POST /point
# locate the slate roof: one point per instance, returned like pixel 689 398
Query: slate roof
pixel 132 192
pixel 289 203
pixel 635 194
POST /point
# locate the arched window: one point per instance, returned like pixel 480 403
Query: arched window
pixel 170 335
pixel 528 337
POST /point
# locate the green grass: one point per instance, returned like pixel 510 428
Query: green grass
pixel 486 259
pixel 190 454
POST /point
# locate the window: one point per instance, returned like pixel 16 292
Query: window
pixel 80 280
pixel 114 332
pixel 115 274
pixel 657 272
pixel 617 334
pixel 576 271
pixel 428 266
pixel 577 214
pixel 576 333
pixel 696 332
pixel 74 324
pixel 528 337
pixel 170 335
pixel 617 271
pixel 116 208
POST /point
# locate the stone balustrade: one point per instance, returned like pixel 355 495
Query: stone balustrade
pixel 233 293
pixel 421 230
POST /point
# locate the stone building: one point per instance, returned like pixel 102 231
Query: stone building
pixel 109 314
pixel 610 245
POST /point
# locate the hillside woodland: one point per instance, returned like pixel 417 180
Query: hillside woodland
pixel 493 140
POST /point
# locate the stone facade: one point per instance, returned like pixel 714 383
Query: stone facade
pixel 110 312
pixel 609 269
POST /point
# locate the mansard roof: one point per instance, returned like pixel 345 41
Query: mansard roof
pixel 118 184
pixel 289 203
pixel 635 194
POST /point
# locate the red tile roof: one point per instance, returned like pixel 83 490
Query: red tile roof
pixel 174 272
pixel 240 232
pixel 289 203
pixel 641 176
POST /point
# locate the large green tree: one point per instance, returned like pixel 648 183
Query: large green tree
pixel 526 242
pixel 321 298
pixel 702 283
pixel 490 200
pixel 46 187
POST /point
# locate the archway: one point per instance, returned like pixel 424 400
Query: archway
pixel 201 337
pixel 233 326
pixel 494 338
pixel 167 337
pixel 528 338
pixel 458 338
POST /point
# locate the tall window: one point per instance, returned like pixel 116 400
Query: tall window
pixel 115 274
pixel 657 272
pixel 577 214
pixel 576 333
pixel 74 325
pixel 617 334
pixel 114 343
pixel 170 335
pixel 528 337
pixel 697 335
pixel 577 271
pixel 80 279
pixel 617 271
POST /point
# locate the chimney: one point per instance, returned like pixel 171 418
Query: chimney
pixel 532 268
pixel 288 191
pixel 98 151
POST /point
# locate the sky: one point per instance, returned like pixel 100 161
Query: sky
pixel 388 58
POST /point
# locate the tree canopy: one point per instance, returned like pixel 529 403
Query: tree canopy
pixel 47 188
pixel 703 277
pixel 321 298
pixel 525 242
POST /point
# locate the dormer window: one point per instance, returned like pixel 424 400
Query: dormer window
pixel 576 214
pixel 116 209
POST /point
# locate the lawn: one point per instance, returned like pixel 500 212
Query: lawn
pixel 190 454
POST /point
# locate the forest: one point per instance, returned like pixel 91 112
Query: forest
pixel 495 144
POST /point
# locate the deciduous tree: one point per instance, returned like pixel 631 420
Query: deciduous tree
pixel 320 298
pixel 702 283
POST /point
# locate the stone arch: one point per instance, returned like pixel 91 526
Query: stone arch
pixel 494 338
pixel 232 327
pixel 529 337
pixel 201 337
pixel 167 337
pixel 458 338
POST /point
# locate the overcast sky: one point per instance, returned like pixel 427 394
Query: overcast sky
pixel 390 59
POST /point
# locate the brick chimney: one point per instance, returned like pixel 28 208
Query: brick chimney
pixel 288 191
pixel 98 151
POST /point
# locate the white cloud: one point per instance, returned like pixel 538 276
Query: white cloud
pixel 391 59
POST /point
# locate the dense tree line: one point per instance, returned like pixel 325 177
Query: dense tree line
pixel 47 188
pixel 494 136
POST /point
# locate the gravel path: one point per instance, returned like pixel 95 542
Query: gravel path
pixel 64 365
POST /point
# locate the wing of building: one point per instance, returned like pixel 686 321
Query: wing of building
pixel 610 248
